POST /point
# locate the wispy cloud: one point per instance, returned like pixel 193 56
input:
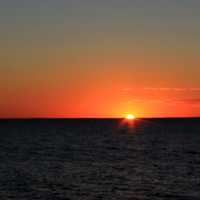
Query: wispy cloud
pixel 195 89
pixel 175 99
pixel 175 102
pixel 127 89
pixel 164 89
pixel 194 101
pixel 175 89
pixel 157 89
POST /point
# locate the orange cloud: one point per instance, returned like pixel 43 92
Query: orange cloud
pixel 172 89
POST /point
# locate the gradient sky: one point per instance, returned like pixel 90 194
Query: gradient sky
pixel 91 58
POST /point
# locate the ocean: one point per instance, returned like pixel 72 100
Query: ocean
pixel 93 159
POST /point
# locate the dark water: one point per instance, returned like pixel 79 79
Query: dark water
pixel 98 159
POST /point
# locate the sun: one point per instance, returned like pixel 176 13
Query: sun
pixel 130 117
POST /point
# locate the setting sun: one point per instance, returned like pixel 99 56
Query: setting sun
pixel 130 117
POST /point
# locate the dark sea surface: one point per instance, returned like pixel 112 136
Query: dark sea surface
pixel 90 159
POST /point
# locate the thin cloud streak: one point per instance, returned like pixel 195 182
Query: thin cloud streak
pixel 127 89
pixel 191 101
pixel 173 89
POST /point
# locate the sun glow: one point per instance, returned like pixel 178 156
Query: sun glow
pixel 130 117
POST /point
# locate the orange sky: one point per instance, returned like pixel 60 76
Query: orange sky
pixel 92 59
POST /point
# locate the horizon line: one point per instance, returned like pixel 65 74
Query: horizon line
pixel 49 118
